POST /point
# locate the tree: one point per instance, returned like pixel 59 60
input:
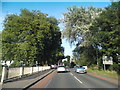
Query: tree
pixel 68 58
pixel 78 21
pixel 106 31
pixel 0 46
pixel 96 32
pixel 29 37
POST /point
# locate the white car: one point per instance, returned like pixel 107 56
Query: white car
pixel 61 69
pixel 53 66
pixel 80 69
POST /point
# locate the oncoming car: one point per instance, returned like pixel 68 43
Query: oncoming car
pixel 61 69
pixel 53 66
pixel 80 69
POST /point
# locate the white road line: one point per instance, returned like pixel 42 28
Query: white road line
pixel 77 79
pixel 71 74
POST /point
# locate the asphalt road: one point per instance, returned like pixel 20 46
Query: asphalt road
pixel 74 80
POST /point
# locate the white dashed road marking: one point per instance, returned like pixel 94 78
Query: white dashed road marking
pixel 71 74
pixel 77 79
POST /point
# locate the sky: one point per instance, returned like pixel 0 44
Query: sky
pixel 55 9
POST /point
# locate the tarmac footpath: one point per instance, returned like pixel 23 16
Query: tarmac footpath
pixel 26 82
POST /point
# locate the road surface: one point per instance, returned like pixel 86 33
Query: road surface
pixel 74 80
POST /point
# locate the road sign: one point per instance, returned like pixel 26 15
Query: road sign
pixel 108 60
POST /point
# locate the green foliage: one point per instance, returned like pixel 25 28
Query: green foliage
pixel 0 70
pixel 87 55
pixel 93 67
pixel 15 64
pixel 115 67
pixel 0 46
pixel 100 63
pixel 66 63
pixel 96 32
pixel 29 37
pixel 106 31
pixel 68 58
pixel 107 73
pixel 78 21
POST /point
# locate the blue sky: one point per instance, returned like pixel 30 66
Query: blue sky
pixel 56 0
pixel 55 9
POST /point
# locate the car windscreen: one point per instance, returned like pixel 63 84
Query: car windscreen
pixel 61 66
pixel 81 68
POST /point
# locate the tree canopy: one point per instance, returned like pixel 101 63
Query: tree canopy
pixel 78 21
pixel 106 31
pixel 95 32
pixel 31 36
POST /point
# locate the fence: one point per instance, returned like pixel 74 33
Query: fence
pixel 8 73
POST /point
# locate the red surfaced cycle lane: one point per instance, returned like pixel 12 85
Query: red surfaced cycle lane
pixel 42 83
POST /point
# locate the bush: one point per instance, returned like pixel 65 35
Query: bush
pixel 115 67
pixel 94 67
pixel 100 63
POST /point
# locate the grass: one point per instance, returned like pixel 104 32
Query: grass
pixel 108 73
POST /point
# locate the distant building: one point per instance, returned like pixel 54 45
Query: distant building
pixel 71 60
pixel 61 64
pixel 64 60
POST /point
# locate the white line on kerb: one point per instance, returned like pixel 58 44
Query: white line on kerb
pixel 77 79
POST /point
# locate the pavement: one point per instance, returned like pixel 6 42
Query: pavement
pixel 26 82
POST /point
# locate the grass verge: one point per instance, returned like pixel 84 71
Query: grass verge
pixel 112 74
pixel 0 70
